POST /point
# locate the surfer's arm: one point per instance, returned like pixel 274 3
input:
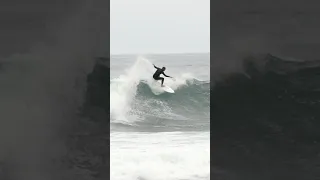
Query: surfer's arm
pixel 155 66
pixel 165 74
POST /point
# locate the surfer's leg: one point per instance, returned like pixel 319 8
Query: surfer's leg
pixel 159 78
pixel 162 80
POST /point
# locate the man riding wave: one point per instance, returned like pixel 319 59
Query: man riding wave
pixel 157 74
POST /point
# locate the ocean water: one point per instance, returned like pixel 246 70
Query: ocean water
pixel 265 120
pixel 155 135
pixel 265 106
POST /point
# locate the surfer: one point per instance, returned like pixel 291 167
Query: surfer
pixel 157 74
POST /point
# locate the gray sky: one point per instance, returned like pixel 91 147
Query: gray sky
pixel 159 26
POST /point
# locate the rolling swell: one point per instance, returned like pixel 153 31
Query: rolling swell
pixel 268 115
pixel 186 109
pixel 285 92
pixel 193 91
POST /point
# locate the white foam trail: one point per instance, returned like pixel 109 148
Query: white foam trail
pixel 160 156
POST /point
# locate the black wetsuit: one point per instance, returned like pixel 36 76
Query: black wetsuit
pixel 157 74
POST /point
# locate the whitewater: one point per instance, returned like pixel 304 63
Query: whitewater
pixel 156 135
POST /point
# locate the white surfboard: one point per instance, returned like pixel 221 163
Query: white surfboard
pixel 167 89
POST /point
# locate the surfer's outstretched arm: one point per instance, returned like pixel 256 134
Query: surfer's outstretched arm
pixel 165 74
pixel 155 66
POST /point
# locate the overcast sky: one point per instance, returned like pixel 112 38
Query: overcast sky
pixel 159 26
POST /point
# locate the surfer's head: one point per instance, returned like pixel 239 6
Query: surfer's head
pixel 163 68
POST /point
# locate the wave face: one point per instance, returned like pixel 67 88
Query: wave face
pixel 267 115
pixel 138 101
pixel 283 95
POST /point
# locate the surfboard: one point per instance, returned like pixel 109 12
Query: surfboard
pixel 167 89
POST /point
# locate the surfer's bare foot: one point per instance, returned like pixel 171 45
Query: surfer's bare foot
pixel 162 85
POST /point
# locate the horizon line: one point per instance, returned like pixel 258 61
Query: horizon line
pixel 162 53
